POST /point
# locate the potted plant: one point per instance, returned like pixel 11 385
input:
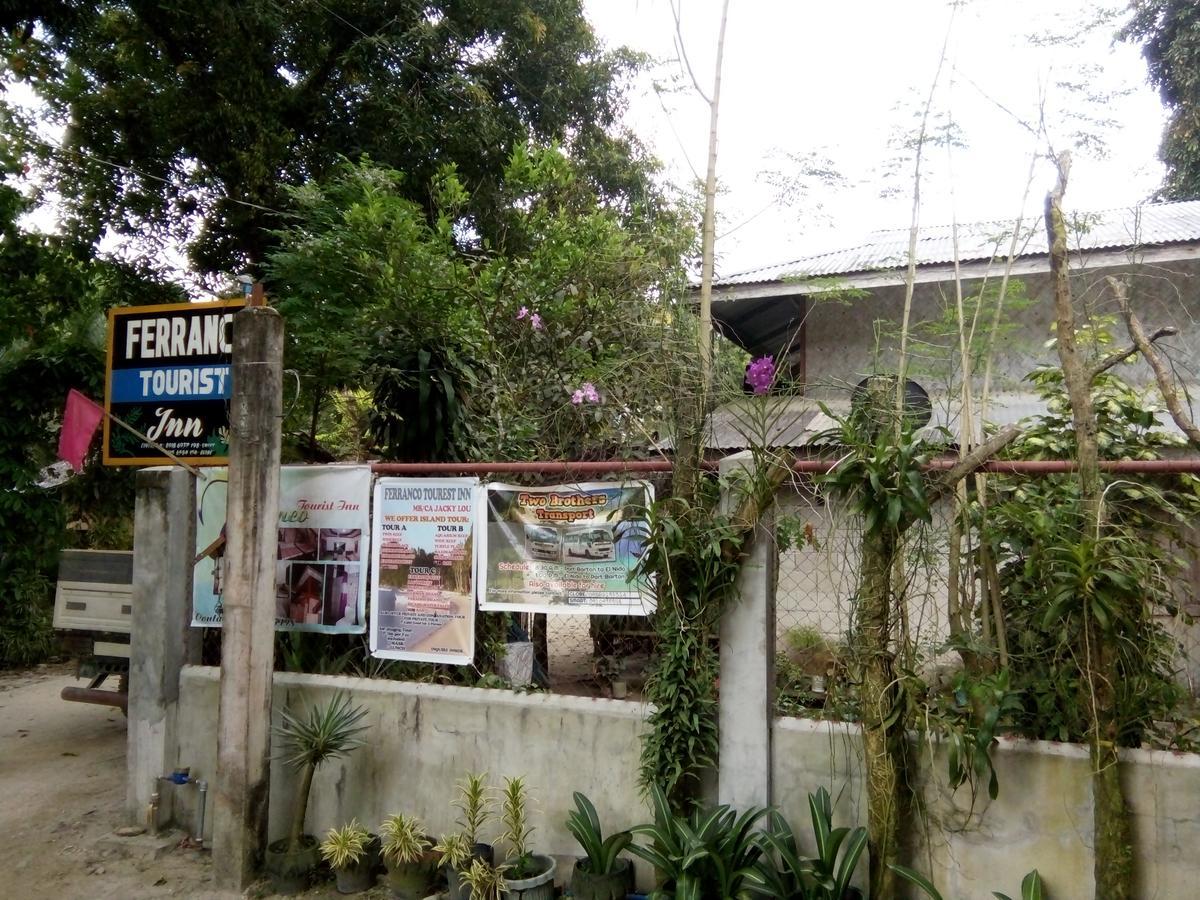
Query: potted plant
pixel 474 804
pixel 527 875
pixel 347 850
pixel 456 851
pixel 454 858
pixel 410 861
pixel 826 876
pixel 485 881
pixel 602 873
pixel 328 732
pixel 711 853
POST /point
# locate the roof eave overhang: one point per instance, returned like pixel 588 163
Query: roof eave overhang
pixel 972 270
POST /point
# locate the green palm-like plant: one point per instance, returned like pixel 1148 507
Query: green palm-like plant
pixel 709 854
pixel 404 839
pixel 1031 884
pixel 601 852
pixel 346 846
pixel 327 733
pixel 823 877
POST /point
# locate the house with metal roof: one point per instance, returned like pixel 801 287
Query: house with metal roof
pixel 832 317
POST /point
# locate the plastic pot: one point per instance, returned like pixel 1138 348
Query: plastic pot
pixel 612 885
pixel 356 878
pixel 290 871
pixel 412 880
pixel 532 887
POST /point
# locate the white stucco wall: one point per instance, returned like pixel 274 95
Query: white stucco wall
pixel 424 737
pixel 1041 819
pixel 842 346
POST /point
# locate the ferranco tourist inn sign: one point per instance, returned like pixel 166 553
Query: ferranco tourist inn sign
pixel 169 376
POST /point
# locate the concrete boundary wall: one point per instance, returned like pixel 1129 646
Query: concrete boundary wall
pixel 424 737
pixel 1041 819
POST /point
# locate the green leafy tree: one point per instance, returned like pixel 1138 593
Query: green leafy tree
pixel 188 122
pixel 53 297
pixel 480 352
pixel 1126 576
pixel 1169 32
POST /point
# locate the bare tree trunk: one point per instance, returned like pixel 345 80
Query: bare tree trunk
pixel 1113 836
pixel 883 726
pixel 709 237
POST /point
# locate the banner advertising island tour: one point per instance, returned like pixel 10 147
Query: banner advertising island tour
pixel 323 543
pixel 424 564
pixel 569 548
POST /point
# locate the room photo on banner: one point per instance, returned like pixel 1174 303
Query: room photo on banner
pixel 567 548
pixel 423 591
pixel 322 548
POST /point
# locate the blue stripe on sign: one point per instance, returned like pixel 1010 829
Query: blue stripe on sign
pixel 171 383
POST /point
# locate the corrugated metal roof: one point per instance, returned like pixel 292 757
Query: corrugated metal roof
pixel 1151 224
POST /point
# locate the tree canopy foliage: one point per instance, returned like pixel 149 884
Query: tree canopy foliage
pixel 188 122
pixel 53 297
pixel 1169 32
pixel 480 353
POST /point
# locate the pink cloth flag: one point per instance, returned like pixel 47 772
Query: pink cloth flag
pixel 80 421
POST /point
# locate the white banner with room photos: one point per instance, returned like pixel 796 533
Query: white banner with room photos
pixel 323 544
pixel 423 588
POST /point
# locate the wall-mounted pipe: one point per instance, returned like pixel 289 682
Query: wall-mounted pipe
pixel 202 789
pixel 1183 465
pixel 98 696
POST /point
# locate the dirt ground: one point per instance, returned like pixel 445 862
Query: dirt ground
pixel 62 794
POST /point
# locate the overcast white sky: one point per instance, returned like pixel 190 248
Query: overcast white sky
pixel 844 80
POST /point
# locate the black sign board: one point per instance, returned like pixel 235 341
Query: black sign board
pixel 170 376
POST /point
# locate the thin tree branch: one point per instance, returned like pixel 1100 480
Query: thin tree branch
pixel 1121 355
pixel 972 461
pixel 1144 343
pixel 681 51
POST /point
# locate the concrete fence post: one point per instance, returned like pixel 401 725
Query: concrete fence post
pixel 161 640
pixel 746 710
pixel 248 638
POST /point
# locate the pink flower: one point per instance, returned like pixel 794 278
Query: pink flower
pixel 760 374
pixel 536 321
pixel 585 393
pixel 522 313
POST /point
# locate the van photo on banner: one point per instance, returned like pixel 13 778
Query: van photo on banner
pixel 423 591
pixel 323 544
pixel 568 548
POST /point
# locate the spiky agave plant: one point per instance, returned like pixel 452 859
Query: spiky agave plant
pixel 329 731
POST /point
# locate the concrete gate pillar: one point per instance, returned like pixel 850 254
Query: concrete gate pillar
pixel 161 639
pixel 746 709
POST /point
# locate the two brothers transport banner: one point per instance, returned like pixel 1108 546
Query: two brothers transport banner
pixel 424 565
pixel 323 544
pixel 568 548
